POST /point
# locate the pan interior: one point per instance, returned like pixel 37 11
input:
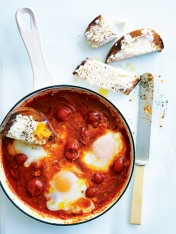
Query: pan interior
pixel 42 216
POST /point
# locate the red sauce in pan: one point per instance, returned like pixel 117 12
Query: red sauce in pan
pixel 85 118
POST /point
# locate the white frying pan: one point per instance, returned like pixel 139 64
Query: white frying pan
pixel 43 82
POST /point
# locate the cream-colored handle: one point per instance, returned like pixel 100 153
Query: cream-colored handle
pixel 136 206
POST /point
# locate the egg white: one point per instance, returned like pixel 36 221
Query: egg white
pixel 33 152
pixel 103 151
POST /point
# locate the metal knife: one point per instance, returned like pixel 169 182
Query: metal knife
pixel 142 144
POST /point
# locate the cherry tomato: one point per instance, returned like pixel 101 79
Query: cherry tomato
pixel 72 144
pixel 71 152
pixel 20 158
pixel 119 165
pixel 91 192
pixel 93 117
pixel 71 155
pixel 98 178
pixel 63 113
pixel 35 186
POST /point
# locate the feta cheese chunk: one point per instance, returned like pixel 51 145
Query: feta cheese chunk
pixel 25 128
pixel 105 76
pixel 122 23
pixel 136 43
pixel 99 32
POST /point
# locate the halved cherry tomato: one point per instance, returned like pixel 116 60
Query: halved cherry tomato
pixel 63 113
pixel 98 178
pixel 71 149
pixel 93 117
pixel 91 192
pixel 35 186
pixel 20 158
pixel 119 165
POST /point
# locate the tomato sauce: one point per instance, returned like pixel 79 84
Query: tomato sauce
pixel 85 118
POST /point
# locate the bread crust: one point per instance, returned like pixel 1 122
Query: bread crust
pixel 99 17
pixel 137 33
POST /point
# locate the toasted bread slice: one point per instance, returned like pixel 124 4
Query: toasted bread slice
pixel 139 42
pixel 99 32
pixel 106 76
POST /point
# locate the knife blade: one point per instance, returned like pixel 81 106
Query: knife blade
pixel 142 143
pixel 144 119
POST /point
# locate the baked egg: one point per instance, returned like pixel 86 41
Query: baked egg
pixel 67 192
pixel 103 151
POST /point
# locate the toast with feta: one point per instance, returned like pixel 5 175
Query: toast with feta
pixel 106 76
pixel 135 43
pixel 25 128
pixel 99 32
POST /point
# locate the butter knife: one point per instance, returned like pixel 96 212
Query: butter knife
pixel 142 144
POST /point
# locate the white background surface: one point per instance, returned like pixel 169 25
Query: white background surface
pixel 62 24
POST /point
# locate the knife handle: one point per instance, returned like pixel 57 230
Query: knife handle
pixel 136 206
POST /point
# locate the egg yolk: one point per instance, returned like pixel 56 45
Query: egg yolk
pixel 62 184
pixel 42 131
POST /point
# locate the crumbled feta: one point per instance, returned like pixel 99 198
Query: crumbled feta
pixel 148 34
pixel 135 46
pixel 24 128
pixel 97 21
pixel 100 33
pixel 128 41
pixel 122 24
pixel 105 76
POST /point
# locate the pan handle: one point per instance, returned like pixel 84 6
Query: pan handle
pixel 31 39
